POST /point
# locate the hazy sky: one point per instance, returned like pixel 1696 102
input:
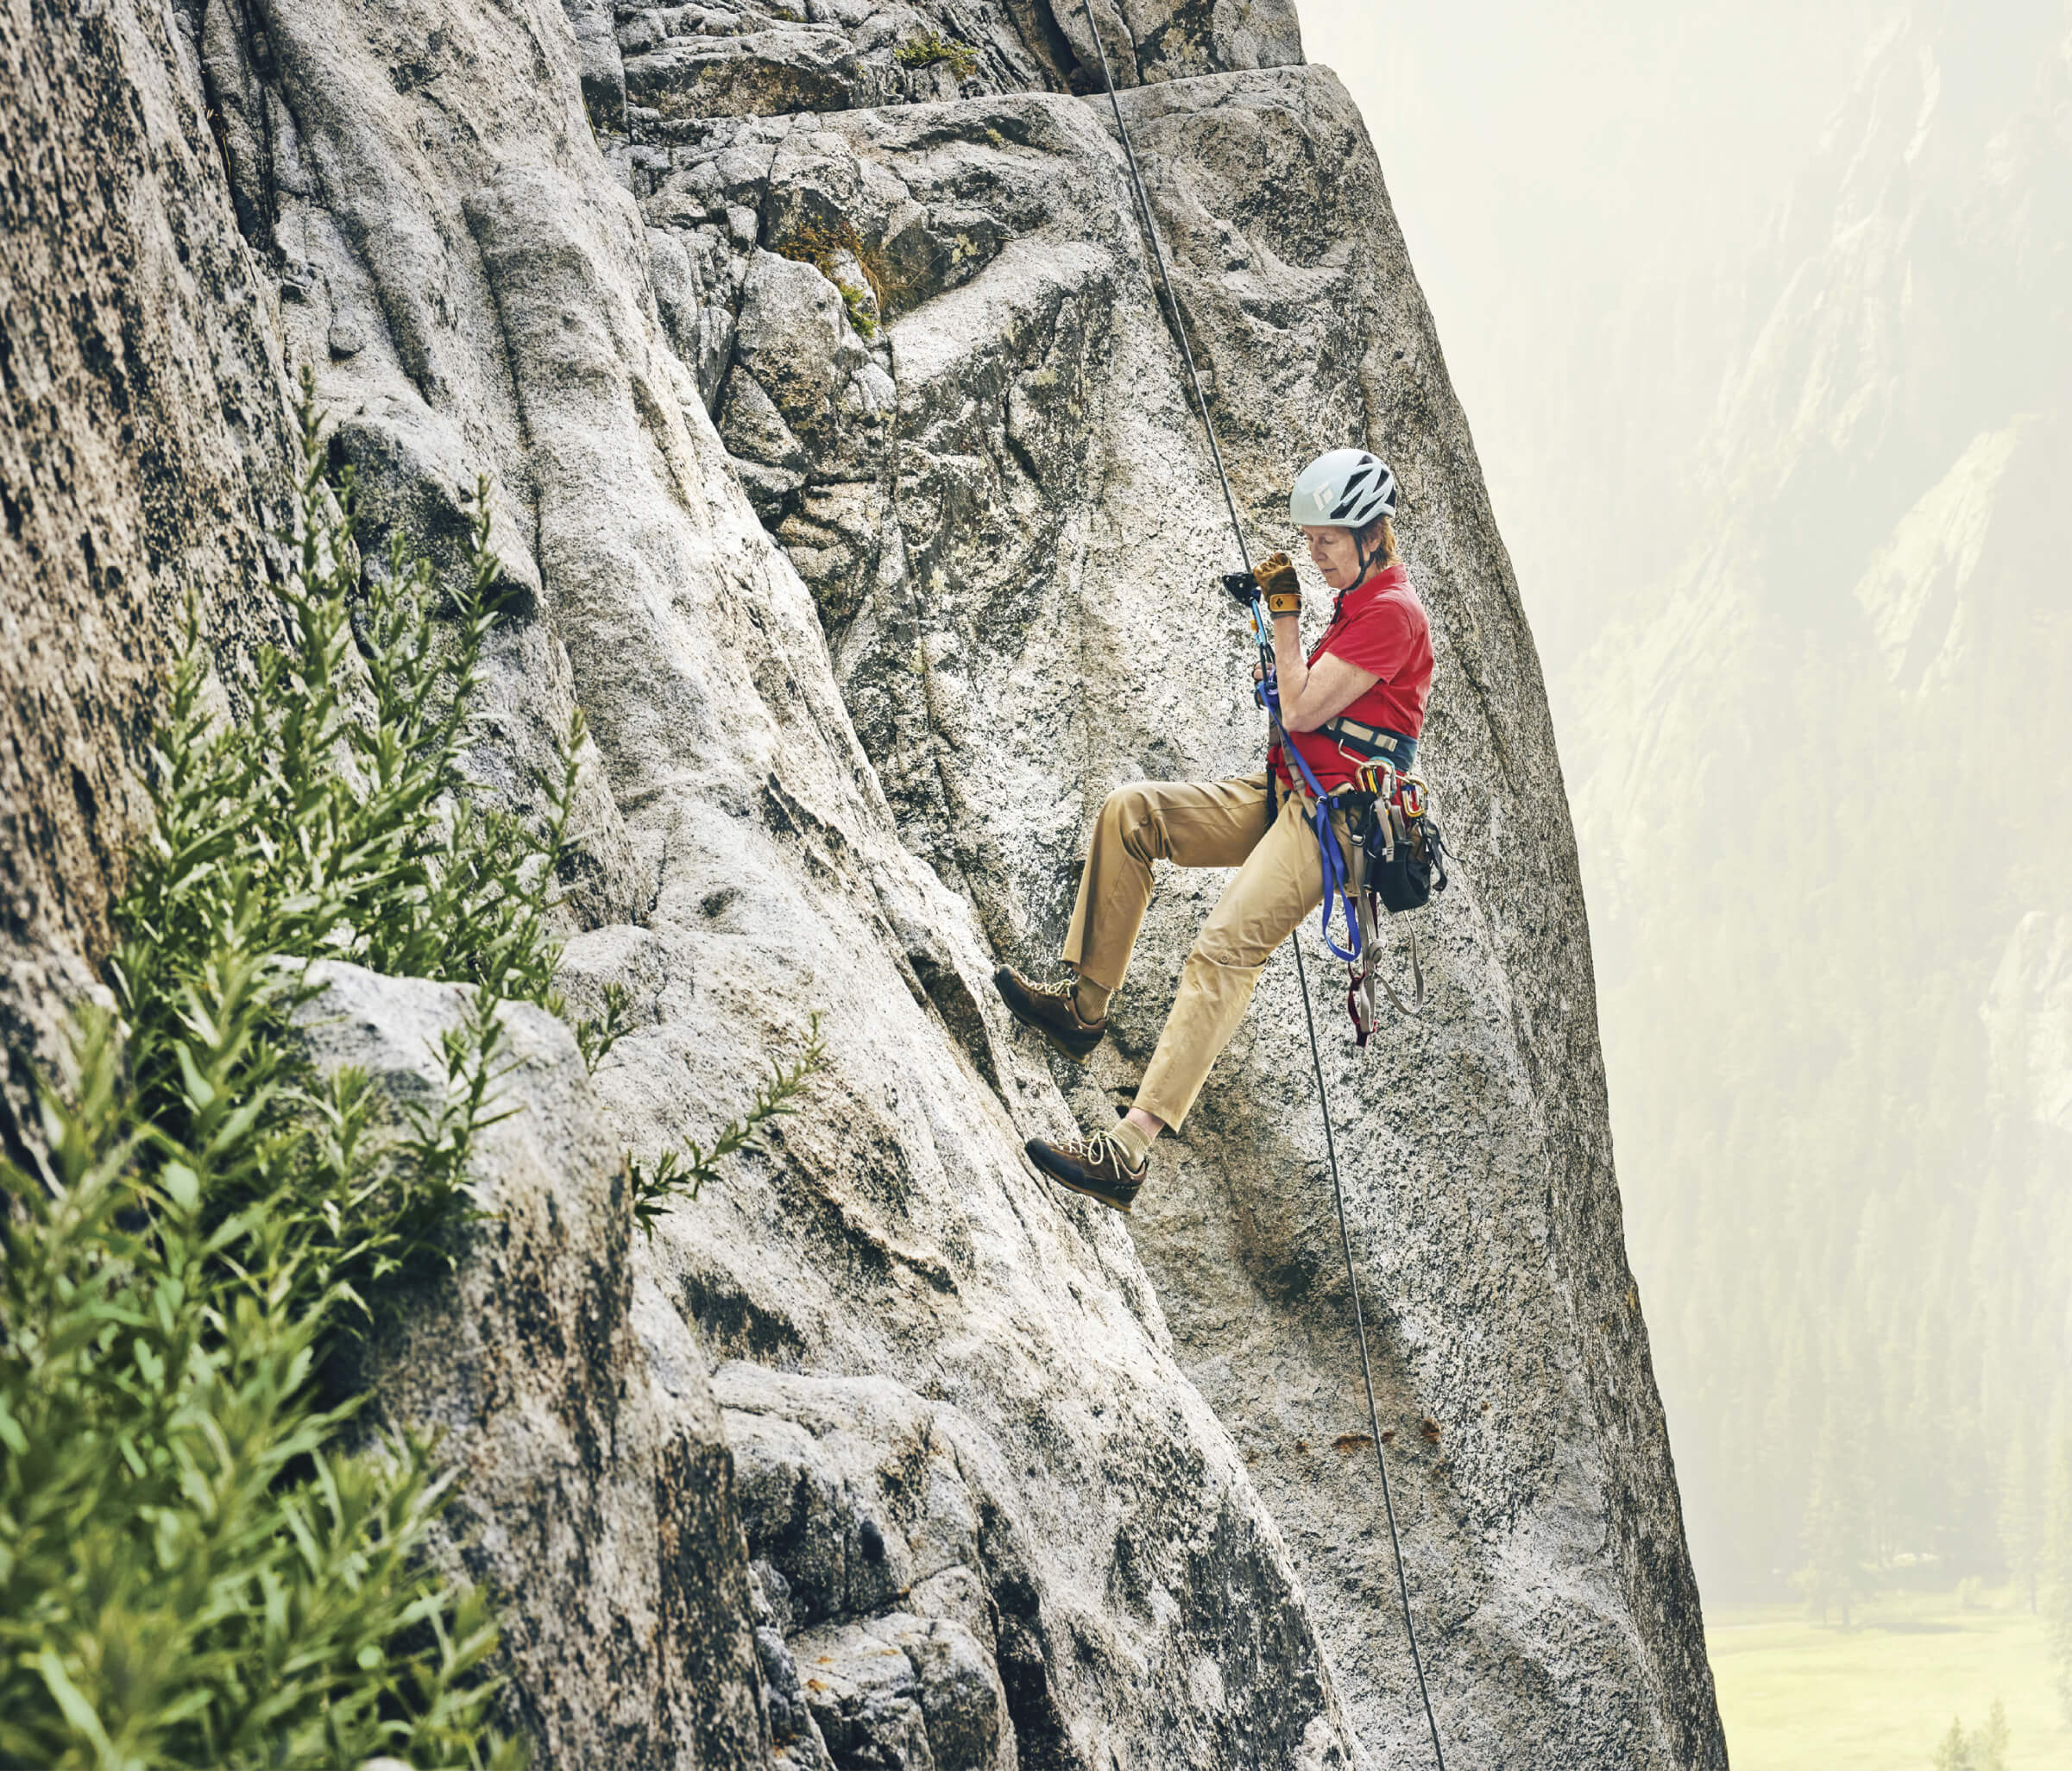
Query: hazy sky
pixel 1551 165
pixel 1853 1231
pixel 1527 143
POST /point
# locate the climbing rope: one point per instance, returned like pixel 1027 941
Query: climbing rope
pixel 1261 630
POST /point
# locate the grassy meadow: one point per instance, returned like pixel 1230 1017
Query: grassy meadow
pixel 1796 1696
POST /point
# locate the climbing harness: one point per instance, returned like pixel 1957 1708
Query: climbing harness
pixel 1370 743
pixel 1398 862
pixel 1397 852
pixel 1328 850
pixel 1318 806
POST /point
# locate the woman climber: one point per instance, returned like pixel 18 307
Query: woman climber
pixel 1358 697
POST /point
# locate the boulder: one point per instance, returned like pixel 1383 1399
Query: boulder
pixel 595 1498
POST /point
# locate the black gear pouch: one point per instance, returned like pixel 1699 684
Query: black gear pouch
pixel 1407 880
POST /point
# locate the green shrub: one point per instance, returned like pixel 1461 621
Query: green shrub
pixel 192 1573
pixel 596 1036
pixel 926 48
pixel 861 317
pixel 682 1173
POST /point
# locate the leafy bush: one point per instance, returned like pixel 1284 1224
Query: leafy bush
pixel 596 1035
pixel 927 48
pixel 191 1574
pixel 192 1571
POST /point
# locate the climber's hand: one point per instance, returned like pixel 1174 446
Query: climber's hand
pixel 1277 579
pixel 1275 582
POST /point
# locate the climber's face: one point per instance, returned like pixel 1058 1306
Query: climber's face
pixel 1336 553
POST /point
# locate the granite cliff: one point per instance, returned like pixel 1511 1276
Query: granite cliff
pixel 843 479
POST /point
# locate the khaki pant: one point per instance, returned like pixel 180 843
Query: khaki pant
pixel 1196 824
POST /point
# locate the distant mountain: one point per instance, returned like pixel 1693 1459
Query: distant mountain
pixel 1824 826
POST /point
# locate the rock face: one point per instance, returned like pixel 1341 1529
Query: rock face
pixel 844 478
pixel 142 460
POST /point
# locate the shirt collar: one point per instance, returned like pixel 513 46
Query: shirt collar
pixel 1358 596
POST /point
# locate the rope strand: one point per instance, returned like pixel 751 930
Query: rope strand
pixel 1359 1323
pixel 1330 1149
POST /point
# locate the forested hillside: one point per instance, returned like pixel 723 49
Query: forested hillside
pixel 1824 765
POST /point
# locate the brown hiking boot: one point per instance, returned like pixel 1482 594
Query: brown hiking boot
pixel 1100 1167
pixel 1052 1012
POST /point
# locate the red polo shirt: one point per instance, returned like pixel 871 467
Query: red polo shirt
pixel 1378 626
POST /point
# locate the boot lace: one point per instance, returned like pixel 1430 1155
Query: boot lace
pixel 1106 1147
pixel 1064 990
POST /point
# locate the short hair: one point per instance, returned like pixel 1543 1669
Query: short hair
pixel 1381 532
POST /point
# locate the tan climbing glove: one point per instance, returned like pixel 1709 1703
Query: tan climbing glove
pixel 1277 582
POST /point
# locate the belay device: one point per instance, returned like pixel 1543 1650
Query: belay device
pixel 1334 872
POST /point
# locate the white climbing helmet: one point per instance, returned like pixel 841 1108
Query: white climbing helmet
pixel 1348 489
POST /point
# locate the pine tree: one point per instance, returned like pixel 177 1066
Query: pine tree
pixel 1835 1537
pixel 2021 1512
pixel 1953 1751
pixel 2057 1573
pixel 1992 1743
pixel 1985 1750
